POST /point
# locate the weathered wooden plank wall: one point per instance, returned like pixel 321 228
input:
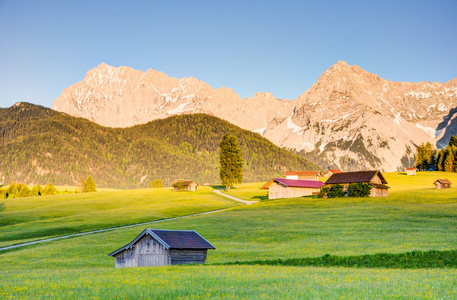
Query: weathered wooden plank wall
pixel 187 256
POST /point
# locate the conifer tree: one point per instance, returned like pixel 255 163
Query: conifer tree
pixel 440 160
pixel 89 186
pixel 231 161
pixel 453 141
pixel 449 162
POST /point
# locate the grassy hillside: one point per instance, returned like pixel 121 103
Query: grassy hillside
pixel 413 217
pixel 26 219
pixel 39 145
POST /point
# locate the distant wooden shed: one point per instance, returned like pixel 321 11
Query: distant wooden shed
pixel 411 171
pixel 290 188
pixel 187 185
pixel 442 184
pixel 154 247
pixel 302 175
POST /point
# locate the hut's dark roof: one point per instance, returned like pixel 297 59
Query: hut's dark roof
pixel 443 181
pixel 183 239
pixel 353 177
pixel 171 239
pixel 185 182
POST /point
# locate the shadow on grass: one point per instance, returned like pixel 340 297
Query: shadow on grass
pixel 402 173
pixel 220 186
pixel 260 198
pixel 409 260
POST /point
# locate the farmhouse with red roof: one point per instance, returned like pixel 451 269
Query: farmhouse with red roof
pixel 411 171
pixel 290 188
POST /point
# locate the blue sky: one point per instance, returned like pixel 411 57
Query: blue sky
pixel 280 47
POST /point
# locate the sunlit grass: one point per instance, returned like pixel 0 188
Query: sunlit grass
pixel 229 282
pixel 24 219
pixel 413 217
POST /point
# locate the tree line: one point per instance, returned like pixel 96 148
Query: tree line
pixel 21 190
pixel 441 160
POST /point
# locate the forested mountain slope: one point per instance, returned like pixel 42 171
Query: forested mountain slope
pixel 40 145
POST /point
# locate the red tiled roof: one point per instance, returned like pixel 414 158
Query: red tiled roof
pixel 299 183
pixel 302 173
pixel 335 171
pixel 410 169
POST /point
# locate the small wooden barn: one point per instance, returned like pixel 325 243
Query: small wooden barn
pixel 330 172
pixel 187 185
pixel 373 178
pixel 411 171
pixel 290 188
pixel 302 175
pixel 442 184
pixel 154 247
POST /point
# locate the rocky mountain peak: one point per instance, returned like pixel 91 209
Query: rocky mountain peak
pixel 349 119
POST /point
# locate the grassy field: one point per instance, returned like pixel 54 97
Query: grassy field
pixel 413 217
pixel 31 218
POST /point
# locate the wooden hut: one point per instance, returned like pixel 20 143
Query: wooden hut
pixel 290 188
pixel 302 175
pixel 187 185
pixel 154 247
pixel 373 178
pixel 330 172
pixel 442 184
pixel 411 171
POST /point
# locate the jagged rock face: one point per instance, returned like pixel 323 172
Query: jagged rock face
pixel 347 115
pixel 122 97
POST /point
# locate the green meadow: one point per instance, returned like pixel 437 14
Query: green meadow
pixel 263 251
pixel 32 218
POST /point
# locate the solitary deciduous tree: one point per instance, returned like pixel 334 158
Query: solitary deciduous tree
pixel 89 185
pixel 231 161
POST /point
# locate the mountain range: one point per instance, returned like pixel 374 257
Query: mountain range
pixel 39 145
pixel 349 119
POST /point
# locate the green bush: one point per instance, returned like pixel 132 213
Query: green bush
pixel 156 183
pixel 337 191
pixel 37 190
pixel 49 189
pixel 323 192
pixel 359 189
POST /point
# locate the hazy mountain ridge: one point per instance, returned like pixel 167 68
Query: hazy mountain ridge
pixel 348 115
pixel 40 145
